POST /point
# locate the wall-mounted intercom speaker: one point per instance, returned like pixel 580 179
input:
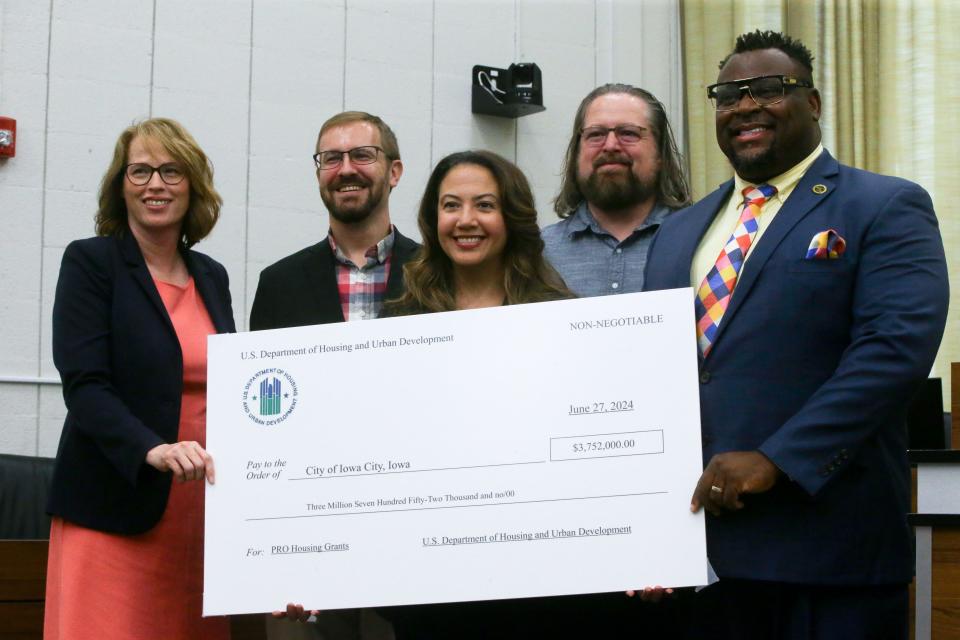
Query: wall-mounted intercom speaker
pixel 508 93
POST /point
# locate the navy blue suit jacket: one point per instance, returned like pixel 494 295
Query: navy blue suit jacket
pixel 122 371
pixel 814 365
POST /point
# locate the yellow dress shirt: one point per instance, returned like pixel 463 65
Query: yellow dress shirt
pixel 724 224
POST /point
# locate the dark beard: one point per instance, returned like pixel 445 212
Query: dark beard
pixel 755 168
pixel 615 192
pixel 357 213
pixel 759 167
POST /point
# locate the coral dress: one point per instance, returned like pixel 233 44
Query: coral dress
pixel 104 585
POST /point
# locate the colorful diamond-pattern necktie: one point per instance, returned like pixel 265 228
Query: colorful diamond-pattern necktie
pixel 714 293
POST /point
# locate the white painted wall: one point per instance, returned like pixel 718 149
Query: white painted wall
pixel 253 80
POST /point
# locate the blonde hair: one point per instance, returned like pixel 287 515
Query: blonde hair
pixel 205 202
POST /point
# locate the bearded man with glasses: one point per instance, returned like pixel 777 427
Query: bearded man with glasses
pixel 345 277
pixel 821 298
pixel 348 275
pixel 622 175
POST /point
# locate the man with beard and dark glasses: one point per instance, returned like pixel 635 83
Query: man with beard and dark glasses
pixel 821 298
pixel 622 175
pixel 349 274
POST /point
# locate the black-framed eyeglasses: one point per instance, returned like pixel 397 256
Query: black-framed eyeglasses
pixel 627 134
pixel 764 90
pixel 358 155
pixel 140 173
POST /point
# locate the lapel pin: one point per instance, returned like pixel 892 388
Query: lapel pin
pixel 819 189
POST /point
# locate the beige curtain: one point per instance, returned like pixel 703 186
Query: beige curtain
pixel 889 74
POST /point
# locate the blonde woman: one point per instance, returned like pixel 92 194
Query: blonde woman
pixel 132 312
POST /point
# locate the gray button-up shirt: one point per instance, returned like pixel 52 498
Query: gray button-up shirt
pixel 591 261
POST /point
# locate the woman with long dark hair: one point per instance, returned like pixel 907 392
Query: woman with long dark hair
pixel 481 248
pixel 481 242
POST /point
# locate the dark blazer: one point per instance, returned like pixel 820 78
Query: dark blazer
pixel 122 371
pixel 814 364
pixel 301 289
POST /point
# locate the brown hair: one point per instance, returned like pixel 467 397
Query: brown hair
pixel 388 140
pixel 672 187
pixel 205 202
pixel 527 276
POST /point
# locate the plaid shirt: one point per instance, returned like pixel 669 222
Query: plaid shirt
pixel 362 289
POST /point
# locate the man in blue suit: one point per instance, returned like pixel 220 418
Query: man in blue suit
pixel 821 298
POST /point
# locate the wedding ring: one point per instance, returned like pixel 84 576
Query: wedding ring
pixel 715 489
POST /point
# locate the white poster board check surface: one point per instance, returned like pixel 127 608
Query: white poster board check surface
pixel 520 451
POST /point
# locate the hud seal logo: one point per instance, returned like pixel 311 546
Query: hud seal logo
pixel 270 396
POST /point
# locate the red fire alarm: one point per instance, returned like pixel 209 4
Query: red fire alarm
pixel 8 137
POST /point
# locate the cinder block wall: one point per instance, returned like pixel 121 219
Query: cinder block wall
pixel 253 80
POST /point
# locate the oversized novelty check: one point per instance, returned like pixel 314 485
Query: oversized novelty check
pixel 519 451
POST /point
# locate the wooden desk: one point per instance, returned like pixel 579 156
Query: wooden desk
pixel 23 580
pixel 23 571
pixel 937 526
